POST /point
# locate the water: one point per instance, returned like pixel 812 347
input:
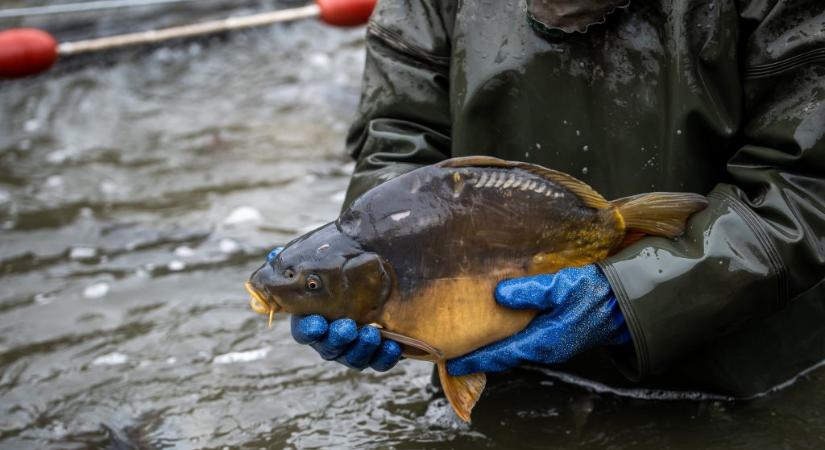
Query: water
pixel 138 193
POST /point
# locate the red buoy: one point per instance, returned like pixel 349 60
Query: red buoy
pixel 346 13
pixel 26 51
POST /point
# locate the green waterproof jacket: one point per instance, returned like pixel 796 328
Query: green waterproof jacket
pixel 722 97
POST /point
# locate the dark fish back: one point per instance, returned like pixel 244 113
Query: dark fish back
pixel 439 222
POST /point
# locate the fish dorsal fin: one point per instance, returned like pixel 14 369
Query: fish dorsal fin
pixel 475 161
pixel 417 349
pixel 462 392
pixel 582 190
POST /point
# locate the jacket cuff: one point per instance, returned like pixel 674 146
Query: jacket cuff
pixel 634 365
pixel 677 295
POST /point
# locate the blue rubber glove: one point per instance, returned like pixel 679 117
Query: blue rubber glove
pixel 342 341
pixel 578 312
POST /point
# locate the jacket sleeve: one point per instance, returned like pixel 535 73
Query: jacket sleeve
pixel 403 121
pixel 761 242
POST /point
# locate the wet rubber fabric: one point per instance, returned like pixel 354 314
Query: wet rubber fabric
pixel 724 98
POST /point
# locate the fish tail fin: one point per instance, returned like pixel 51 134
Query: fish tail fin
pixel 659 213
pixel 462 392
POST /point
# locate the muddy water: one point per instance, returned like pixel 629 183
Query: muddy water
pixel 136 195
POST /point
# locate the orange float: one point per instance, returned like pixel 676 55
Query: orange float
pixel 28 51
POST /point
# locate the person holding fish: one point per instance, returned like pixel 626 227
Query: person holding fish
pixel 458 245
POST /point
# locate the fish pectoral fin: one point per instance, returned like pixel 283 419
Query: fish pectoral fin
pixel 416 349
pixel 462 392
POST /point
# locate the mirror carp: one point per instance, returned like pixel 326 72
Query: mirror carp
pixel 419 256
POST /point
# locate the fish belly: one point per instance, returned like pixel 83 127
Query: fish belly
pixel 455 315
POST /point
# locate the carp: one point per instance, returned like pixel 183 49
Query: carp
pixel 419 256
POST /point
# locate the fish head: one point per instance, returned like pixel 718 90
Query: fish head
pixel 323 272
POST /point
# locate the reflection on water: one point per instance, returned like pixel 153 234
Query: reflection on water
pixel 136 195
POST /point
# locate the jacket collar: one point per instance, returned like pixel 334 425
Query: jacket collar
pixel 571 16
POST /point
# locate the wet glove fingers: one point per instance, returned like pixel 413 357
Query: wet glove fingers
pixel 386 357
pixel 341 334
pixel 363 350
pixel 526 293
pixel 308 329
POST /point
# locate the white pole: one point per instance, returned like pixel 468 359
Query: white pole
pixel 152 36
pixel 19 13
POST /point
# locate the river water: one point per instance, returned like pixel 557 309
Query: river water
pixel 140 188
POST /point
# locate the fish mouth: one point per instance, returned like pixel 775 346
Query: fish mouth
pixel 259 303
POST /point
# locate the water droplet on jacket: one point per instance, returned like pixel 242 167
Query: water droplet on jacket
pixel 585 148
pixel 585 170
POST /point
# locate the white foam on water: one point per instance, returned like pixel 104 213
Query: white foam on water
pixel 31 125
pixel 97 290
pixel 44 298
pixel 243 214
pixel 60 156
pixel 54 182
pixel 109 187
pixel 110 359
pixel 176 266
pixel 227 245
pixel 184 251
pixel 637 393
pixel 79 253
pixel 242 357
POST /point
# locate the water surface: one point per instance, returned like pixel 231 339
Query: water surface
pixel 139 189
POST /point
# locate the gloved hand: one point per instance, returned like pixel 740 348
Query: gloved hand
pixel 342 341
pixel 578 312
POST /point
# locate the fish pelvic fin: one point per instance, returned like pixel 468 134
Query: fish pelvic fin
pixel 659 213
pixel 582 190
pixel 414 348
pixel 462 392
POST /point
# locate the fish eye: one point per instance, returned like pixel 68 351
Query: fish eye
pixel 289 273
pixel 313 282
